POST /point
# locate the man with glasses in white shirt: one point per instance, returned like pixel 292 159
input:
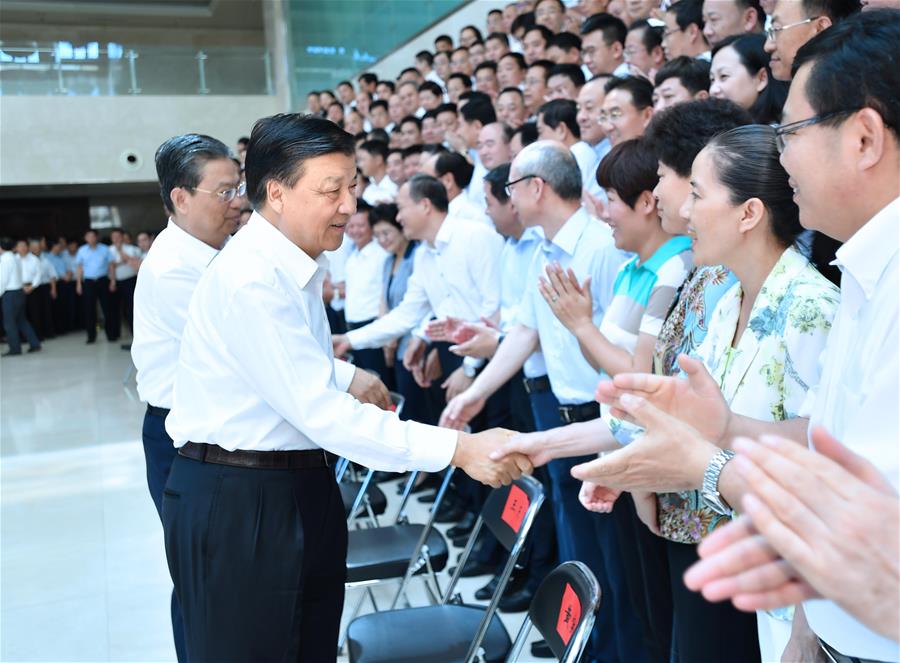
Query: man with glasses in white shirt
pixel 201 187
pixel 254 524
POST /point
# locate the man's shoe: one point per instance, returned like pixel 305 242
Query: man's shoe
pixel 427 498
pixel 463 528
pixel 474 568
pixel 460 541
pixel 126 346
pixel 453 514
pixel 11 354
pixel 540 649
pixel 37 349
pixel 91 341
pixel 487 592
pixel 431 481
pixel 517 601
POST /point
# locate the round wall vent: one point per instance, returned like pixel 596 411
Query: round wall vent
pixel 131 160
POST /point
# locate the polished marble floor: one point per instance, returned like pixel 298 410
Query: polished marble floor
pixel 83 574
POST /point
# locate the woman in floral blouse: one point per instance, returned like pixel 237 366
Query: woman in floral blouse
pixel 766 332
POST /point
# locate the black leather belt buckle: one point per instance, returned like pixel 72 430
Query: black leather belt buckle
pixel 572 414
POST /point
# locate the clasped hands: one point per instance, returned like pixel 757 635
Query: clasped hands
pixel 474 456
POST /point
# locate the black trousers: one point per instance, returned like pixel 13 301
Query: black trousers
pixel 258 558
pixel 707 632
pixel 94 291
pixel 38 305
pixel 15 324
pixel 125 292
pixel 64 314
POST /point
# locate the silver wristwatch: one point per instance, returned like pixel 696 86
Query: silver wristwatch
pixel 710 490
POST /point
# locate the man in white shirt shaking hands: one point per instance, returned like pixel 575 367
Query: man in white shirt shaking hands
pixel 254 524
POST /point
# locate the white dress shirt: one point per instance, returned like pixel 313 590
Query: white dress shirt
pixel 337 263
pixel 10 272
pixel 587 161
pixel 123 269
pixel 856 400
pixel 256 370
pixel 462 207
pixel 475 190
pixel 165 284
pixel 48 271
pixel 364 282
pixel 384 191
pixel 459 276
pixel 31 269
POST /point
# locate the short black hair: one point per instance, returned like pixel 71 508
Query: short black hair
pixel 473 29
pixel 750 50
pixel 446 108
pixel 385 213
pixel 410 118
pixel 478 108
pixel 514 90
pixel 379 134
pixel 836 10
pixel 455 164
pixel 281 144
pixel 544 65
pixel 444 38
pixel 614 29
pixel 378 103
pixel 390 84
pixel 375 148
pixel 363 207
pixel 560 111
pixel 652 35
pixel 854 65
pixel 425 56
pixel 460 48
pixel 640 89
pixel 425 186
pixel 525 21
pixel 518 57
pixel 546 34
pixel 487 64
pixel 497 178
pixel 180 161
pixel 243 140
pixel 429 115
pixel 409 70
pixel 692 72
pixel 566 41
pixel 571 71
pixel 528 133
pixel 677 134
pixel 499 36
pixel 466 80
pixel 687 12
pixel 347 83
pixel 431 86
pixel 629 169
pixel 411 150
pixel 368 78
pixel 8 243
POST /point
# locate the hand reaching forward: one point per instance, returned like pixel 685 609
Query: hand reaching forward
pixel 473 456
pixel 368 388
pixel 461 410
pixel 449 330
pixel 697 401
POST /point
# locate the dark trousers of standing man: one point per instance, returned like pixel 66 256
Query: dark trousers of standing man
pixel 159 452
pixel 125 291
pixel 38 306
pixel 64 307
pixel 14 322
pixel 258 558
pixel 94 291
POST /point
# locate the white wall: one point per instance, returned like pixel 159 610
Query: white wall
pixel 83 140
pixel 475 13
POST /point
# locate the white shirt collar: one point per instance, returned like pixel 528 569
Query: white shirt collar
pixel 867 254
pixel 199 253
pixel 285 253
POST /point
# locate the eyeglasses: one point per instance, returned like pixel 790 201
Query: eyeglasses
pixel 614 114
pixel 783 130
pixel 509 185
pixel 771 32
pixel 227 195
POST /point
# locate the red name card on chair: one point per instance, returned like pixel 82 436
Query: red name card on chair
pixel 569 614
pixel 516 506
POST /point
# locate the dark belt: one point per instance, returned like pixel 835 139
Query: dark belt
pixel 359 325
pixel 572 414
pixel 157 411
pixel 837 657
pixel 537 385
pixel 260 460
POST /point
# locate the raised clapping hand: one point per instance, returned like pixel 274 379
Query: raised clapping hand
pixel 461 410
pixel 697 401
pixel 569 300
pixel 473 456
pixel 817 523
pixel 448 330
pixel 669 456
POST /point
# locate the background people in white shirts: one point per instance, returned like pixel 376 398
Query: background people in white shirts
pixel 12 299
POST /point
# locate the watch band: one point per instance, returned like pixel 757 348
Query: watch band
pixel 710 490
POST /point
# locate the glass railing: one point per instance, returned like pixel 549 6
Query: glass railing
pixel 112 69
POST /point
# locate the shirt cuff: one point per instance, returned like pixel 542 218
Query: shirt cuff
pixel 431 448
pixel 343 374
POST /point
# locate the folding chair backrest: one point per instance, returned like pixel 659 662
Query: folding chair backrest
pixel 563 611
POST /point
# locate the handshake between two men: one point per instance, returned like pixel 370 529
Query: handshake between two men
pixel 476 453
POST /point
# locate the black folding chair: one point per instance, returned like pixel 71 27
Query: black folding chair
pixel 452 631
pixel 563 611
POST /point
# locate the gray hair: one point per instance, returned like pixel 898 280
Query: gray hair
pixel 554 163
